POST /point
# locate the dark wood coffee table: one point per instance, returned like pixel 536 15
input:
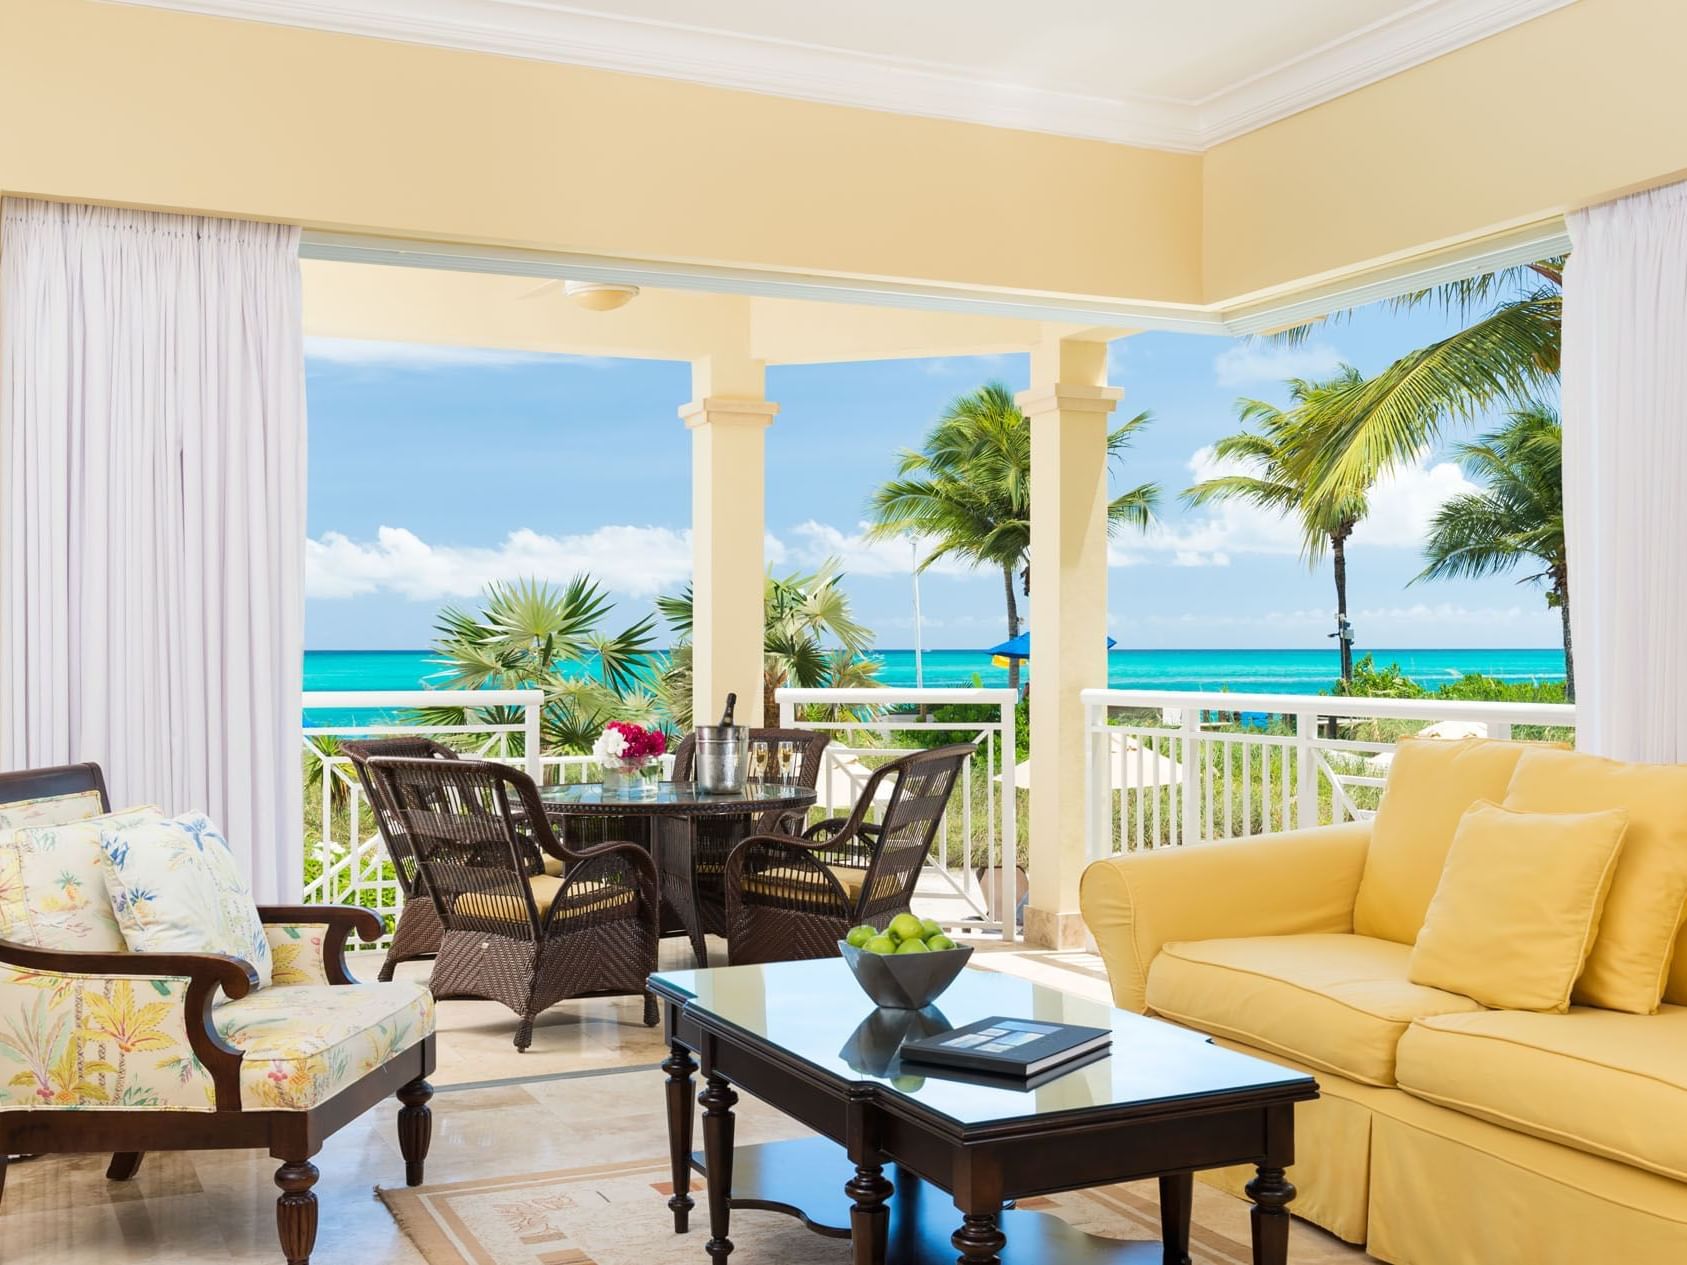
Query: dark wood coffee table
pixel 803 1038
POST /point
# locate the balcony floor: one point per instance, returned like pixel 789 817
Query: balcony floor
pixel 496 1112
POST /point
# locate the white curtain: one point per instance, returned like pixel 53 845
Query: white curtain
pixel 1625 473
pixel 152 502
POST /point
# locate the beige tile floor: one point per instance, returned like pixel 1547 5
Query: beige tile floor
pixel 495 1111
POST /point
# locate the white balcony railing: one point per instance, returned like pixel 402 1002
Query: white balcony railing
pixel 1174 767
pixel 970 880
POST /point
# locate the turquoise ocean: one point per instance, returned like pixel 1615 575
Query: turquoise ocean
pixel 1239 671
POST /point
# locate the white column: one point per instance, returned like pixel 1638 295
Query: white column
pixel 1070 406
pixel 728 420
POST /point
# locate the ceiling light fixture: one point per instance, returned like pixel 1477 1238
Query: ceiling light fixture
pixel 600 296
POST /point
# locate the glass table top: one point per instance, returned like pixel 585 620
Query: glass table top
pixel 681 796
pixel 816 1011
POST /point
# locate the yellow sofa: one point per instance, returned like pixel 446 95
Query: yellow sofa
pixel 1447 1134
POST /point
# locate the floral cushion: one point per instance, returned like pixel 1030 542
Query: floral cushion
pixel 72 1042
pixel 52 882
pixel 175 888
pixel 80 1041
pixel 50 810
pixel 305 1043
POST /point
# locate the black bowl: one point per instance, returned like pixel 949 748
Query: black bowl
pixel 905 981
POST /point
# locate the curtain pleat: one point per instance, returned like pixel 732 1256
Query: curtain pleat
pixel 1625 473
pixel 152 465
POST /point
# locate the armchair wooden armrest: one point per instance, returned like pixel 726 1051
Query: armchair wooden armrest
pixel 339 920
pixel 205 973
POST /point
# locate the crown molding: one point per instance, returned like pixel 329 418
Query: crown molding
pixel 580 37
pixel 1255 313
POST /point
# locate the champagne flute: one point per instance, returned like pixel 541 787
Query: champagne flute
pixel 787 756
pixel 758 762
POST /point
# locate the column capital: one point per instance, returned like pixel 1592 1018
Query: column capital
pixel 1068 397
pixel 725 408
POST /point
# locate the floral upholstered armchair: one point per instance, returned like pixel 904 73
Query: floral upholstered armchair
pixel 104 1049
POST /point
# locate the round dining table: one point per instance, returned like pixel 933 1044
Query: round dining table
pixel 667 823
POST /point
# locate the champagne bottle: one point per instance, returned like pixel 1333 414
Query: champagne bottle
pixel 726 716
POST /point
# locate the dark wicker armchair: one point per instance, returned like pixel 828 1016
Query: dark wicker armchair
pixel 795 897
pixel 524 938
pixel 418 932
pixel 713 838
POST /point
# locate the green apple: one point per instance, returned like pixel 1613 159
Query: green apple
pixel 930 927
pixel 882 945
pixel 912 946
pixel 906 927
pixel 858 936
pixel 938 943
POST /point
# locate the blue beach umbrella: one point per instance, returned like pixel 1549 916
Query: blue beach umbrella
pixel 1020 648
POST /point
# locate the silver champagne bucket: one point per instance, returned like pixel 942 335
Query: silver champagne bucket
pixel 723 758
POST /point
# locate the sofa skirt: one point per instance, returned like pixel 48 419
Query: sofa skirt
pixel 1449 1189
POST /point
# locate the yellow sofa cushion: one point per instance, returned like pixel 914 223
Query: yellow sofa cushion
pixel 1599 1081
pixel 1430 784
pixel 1518 905
pixel 305 1043
pixel 1631 956
pixel 508 907
pixel 52 878
pixel 1336 1002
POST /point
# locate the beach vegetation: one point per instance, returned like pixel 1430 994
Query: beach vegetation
pixel 810 638
pixel 1516 518
pixel 965 493
pixel 1274 465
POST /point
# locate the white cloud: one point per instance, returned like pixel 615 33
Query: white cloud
pixel 638 561
pixel 374 354
pixel 814 542
pixel 1401 507
pixel 1248 363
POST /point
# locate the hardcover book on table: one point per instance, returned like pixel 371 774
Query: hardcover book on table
pixel 1008 1047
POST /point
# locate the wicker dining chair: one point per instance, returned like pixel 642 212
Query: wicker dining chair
pixel 418 932
pixel 713 838
pixel 790 897
pixel 511 935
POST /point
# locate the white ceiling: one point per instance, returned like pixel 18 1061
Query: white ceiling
pixel 1172 74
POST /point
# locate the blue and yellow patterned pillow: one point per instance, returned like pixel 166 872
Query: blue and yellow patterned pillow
pixel 52 883
pixel 175 888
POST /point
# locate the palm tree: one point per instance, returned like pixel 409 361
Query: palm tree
pixel 1518 514
pixel 529 634
pixel 810 638
pixel 1278 471
pixel 967 492
pixel 1508 352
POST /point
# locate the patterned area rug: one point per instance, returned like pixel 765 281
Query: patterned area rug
pixel 616 1214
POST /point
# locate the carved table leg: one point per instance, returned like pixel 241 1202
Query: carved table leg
pixel 869 1219
pixel 3 1159
pixel 1177 1197
pixel 718 1099
pixel 1271 1193
pixel 681 1118
pixel 979 1240
pixel 124 1165
pixel 295 1211
pixel 415 1128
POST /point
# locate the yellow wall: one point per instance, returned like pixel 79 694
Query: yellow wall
pixel 178 111
pixel 153 108
pixel 1557 113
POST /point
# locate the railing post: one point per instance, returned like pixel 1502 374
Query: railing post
pixel 1306 796
pixel 1007 857
pixel 1189 828
pixel 530 739
pixel 787 710
pixel 1098 788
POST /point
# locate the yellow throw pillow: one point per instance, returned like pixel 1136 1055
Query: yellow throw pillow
pixel 1431 782
pixel 1518 906
pixel 1631 958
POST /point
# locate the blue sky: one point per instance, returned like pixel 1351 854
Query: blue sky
pixel 432 470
